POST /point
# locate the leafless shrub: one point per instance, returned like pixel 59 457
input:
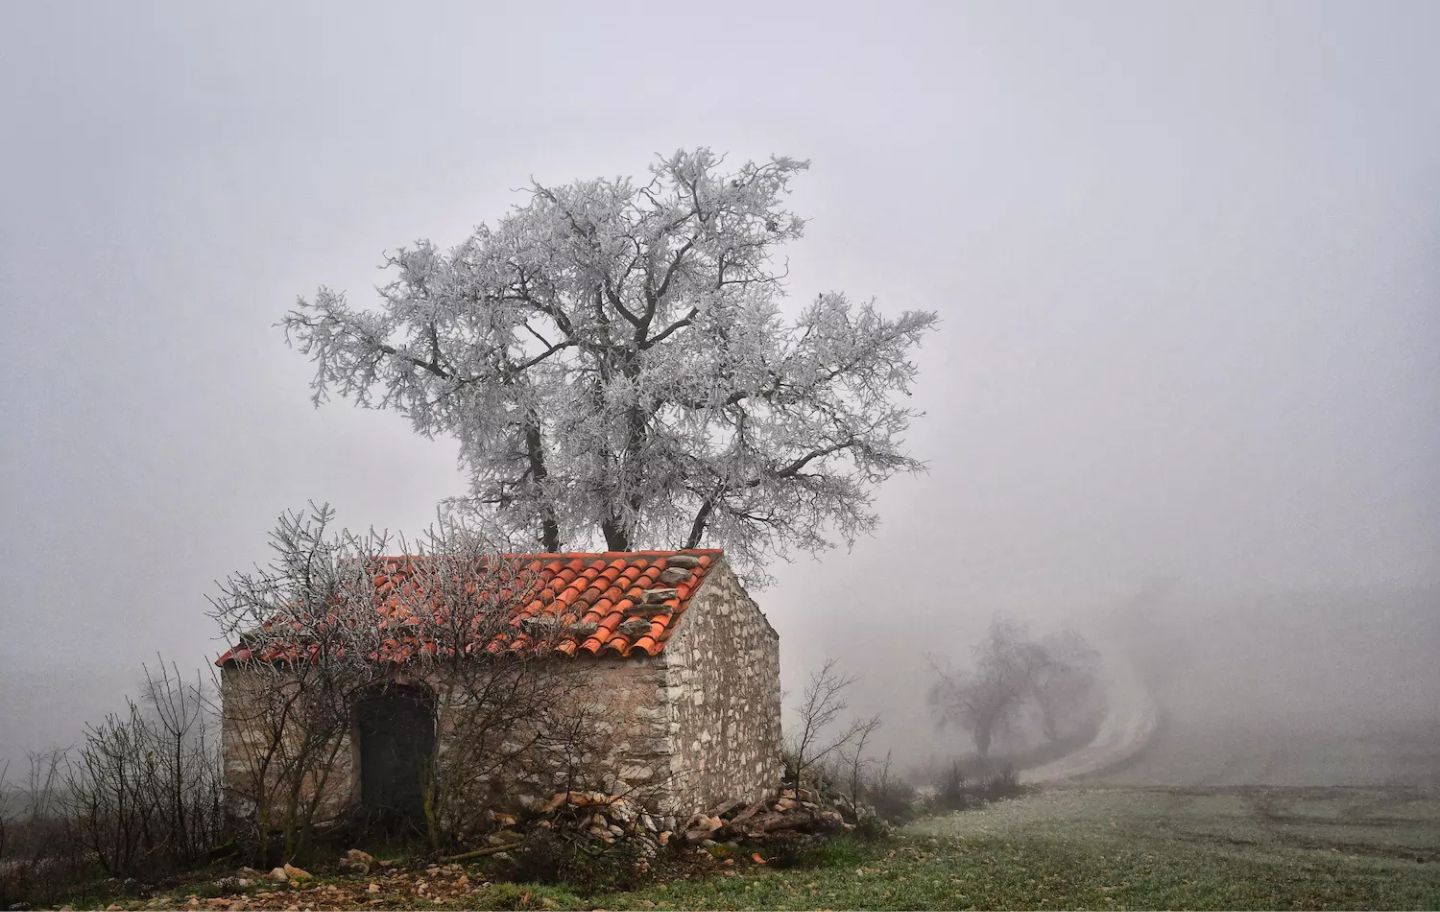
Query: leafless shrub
pixel 1004 784
pixel 891 798
pixel 818 737
pixel 954 792
pixel 514 724
pixel 109 787
pixel 287 725
pixel 39 856
pixel 181 727
pixel 863 786
pixel 139 796
pixel 856 765
pixel 335 619
pixel 585 864
pixel 142 788
pixel 514 719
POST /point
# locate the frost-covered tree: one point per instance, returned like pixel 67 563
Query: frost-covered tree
pixel 613 359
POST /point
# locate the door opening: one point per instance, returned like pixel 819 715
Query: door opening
pixel 396 728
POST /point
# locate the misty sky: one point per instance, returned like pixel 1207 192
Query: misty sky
pixel 1185 258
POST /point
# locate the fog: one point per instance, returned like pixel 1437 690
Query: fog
pixel 1184 255
pixel 1297 688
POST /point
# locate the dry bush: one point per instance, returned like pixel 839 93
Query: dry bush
pixel 953 792
pixel 289 724
pixel 819 738
pixel 1004 784
pixel 833 760
pixel 515 720
pixel 139 797
pixel 891 798
pixel 142 790
pixel 40 858
pixel 335 619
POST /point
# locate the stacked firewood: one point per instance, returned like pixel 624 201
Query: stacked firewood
pixel 792 811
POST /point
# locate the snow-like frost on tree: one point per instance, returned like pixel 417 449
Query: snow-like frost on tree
pixel 613 360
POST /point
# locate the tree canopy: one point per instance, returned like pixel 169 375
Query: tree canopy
pixel 613 359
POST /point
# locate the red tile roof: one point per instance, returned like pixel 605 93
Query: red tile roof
pixel 579 589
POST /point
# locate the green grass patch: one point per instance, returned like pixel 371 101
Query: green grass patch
pixel 1114 849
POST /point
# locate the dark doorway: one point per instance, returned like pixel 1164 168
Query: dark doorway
pixel 396 727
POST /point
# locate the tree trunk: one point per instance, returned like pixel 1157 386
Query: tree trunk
pixel 697 529
pixel 1049 725
pixel 535 449
pixel 982 740
pixel 616 539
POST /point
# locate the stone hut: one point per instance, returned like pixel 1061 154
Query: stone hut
pixel 668 641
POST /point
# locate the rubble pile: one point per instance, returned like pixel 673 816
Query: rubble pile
pixel 608 819
pixel 617 819
pixel 595 819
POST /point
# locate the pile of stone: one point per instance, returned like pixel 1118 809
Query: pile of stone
pixel 612 819
pixel 606 818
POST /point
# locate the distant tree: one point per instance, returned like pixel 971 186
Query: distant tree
pixel 1063 684
pixel 613 360
pixel 1012 670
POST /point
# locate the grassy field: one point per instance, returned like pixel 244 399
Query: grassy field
pixel 1122 848
pixel 1095 848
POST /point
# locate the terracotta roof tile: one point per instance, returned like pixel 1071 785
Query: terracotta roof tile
pixel 576 587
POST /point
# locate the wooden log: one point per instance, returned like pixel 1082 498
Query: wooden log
pixel 768 823
pixel 723 809
pixel 481 853
pixel 750 811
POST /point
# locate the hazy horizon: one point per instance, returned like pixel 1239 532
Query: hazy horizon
pixel 1184 258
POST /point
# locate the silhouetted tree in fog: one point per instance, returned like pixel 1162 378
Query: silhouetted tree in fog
pixel 1011 670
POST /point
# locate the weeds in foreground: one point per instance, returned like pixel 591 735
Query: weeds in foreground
pixel 515 896
pixel 585 865
pixel 955 793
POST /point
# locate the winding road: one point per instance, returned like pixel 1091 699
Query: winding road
pixel 1131 720
pixel 1265 698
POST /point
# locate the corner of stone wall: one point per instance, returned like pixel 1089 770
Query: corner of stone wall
pixel 670 691
pixel 721 694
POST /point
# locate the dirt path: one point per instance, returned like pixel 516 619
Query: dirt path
pixel 1131 719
